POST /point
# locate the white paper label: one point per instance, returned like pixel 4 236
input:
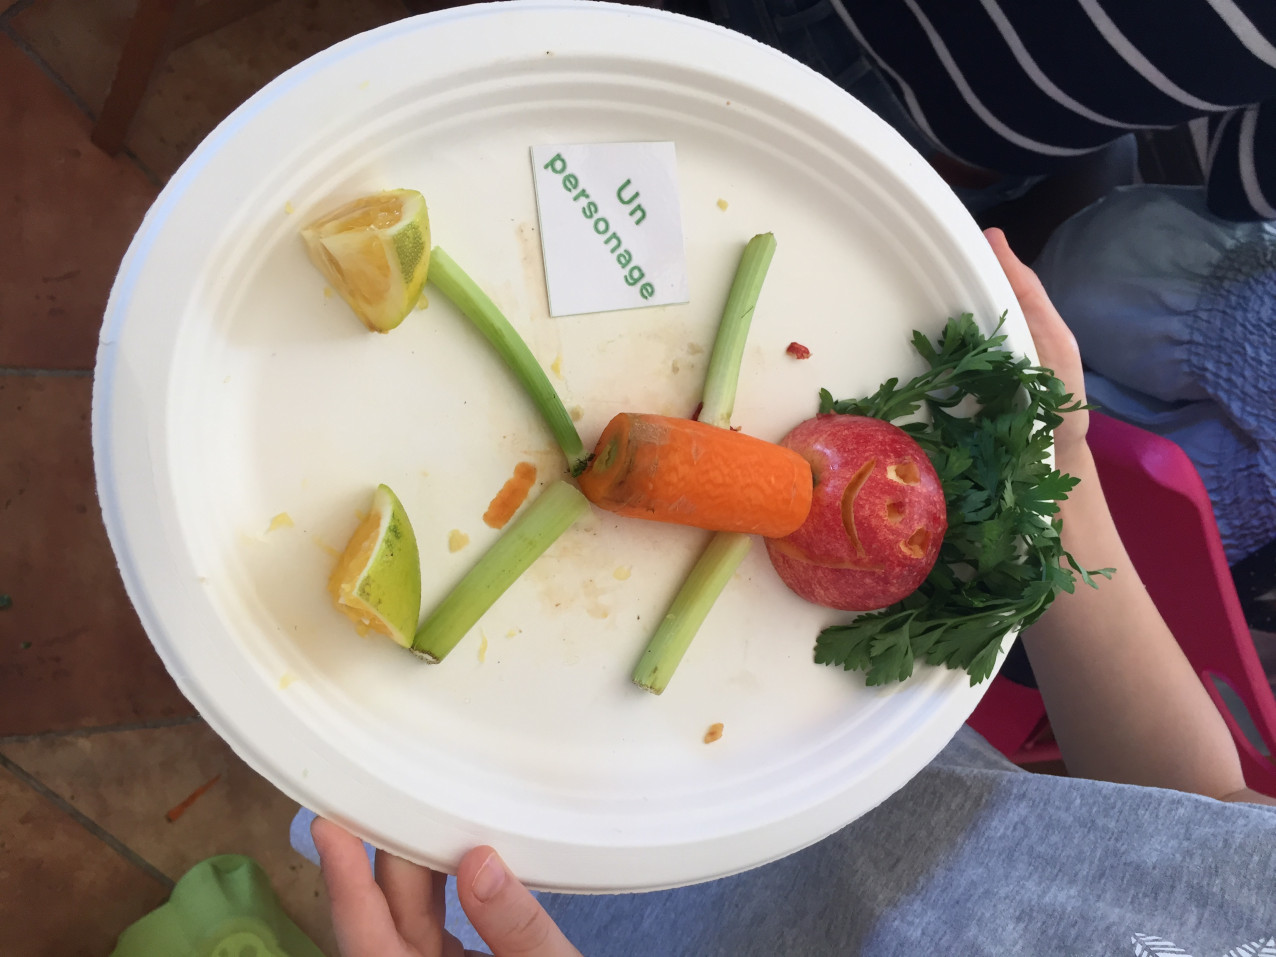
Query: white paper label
pixel 611 226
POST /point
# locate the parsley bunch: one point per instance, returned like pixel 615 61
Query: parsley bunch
pixel 1002 560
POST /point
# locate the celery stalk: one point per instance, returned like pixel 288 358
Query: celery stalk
pixel 540 525
pixel 710 575
pixel 728 347
pixel 451 280
pixel 726 550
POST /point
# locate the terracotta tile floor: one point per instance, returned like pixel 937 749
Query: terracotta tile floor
pixel 96 742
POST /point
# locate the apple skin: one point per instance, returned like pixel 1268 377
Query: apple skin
pixel 897 515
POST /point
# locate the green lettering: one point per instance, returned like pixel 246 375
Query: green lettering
pixel 570 182
pixel 620 193
pixel 625 258
pixel 646 290
pixel 557 164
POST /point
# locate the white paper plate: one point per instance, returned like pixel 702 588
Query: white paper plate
pixel 229 389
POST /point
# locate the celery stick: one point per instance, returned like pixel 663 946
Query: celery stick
pixel 728 347
pixel 451 280
pixel 544 520
pixel 726 550
pixel 710 575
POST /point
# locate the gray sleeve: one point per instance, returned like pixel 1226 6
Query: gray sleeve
pixel 975 857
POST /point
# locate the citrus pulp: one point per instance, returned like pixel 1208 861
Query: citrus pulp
pixel 375 252
pixel 377 580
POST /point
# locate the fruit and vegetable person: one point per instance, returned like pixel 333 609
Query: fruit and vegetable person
pixel 1154 842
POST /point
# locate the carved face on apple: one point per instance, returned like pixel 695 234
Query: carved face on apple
pixel 877 516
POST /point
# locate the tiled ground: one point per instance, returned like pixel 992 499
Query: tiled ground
pixel 96 742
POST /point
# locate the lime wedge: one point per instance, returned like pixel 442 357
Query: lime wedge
pixel 377 581
pixel 375 252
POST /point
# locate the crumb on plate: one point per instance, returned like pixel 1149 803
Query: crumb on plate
pixel 798 351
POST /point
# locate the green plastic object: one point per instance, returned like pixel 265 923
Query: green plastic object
pixel 222 907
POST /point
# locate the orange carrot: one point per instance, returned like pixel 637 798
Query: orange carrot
pixel 692 473
pixel 511 496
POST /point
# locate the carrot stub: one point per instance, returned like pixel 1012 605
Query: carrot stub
pixel 691 473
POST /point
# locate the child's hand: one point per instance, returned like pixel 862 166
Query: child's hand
pixel 1056 346
pixel 400 912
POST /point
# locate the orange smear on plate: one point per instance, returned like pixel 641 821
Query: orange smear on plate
pixel 511 496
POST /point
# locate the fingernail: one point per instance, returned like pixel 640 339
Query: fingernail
pixel 489 879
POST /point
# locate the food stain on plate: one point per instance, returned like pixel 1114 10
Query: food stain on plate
pixel 282 520
pixel 533 269
pixel 286 680
pixel 714 733
pixel 593 599
pixel 330 550
pixel 512 495
pixel 456 540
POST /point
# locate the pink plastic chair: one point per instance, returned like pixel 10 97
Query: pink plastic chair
pixel 1167 523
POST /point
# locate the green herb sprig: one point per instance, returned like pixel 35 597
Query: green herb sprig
pixel 1002 560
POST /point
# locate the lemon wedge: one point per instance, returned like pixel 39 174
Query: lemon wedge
pixel 375 252
pixel 377 580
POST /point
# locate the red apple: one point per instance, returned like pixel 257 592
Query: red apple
pixel 877 515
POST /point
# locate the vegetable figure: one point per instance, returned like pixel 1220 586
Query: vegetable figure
pixel 691 473
pixel 877 517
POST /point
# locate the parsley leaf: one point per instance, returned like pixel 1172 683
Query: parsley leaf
pixel 1002 561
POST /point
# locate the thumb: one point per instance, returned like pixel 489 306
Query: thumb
pixel 508 918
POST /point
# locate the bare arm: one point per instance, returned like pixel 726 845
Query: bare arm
pixel 1124 703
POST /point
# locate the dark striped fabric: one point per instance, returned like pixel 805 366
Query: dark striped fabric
pixel 1021 86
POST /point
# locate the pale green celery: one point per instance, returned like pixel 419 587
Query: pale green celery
pixel 728 347
pixel 464 293
pixel 546 518
pixel 704 584
pixel 726 550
